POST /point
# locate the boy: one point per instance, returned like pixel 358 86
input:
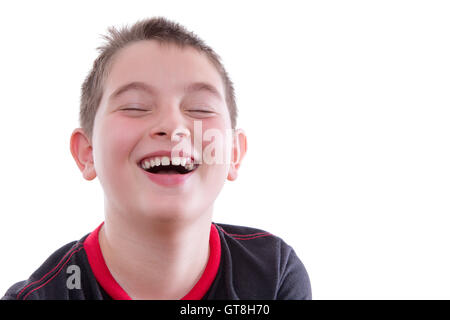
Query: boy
pixel 156 114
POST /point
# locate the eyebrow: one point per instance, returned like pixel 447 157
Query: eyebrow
pixel 203 86
pixel 193 87
pixel 132 86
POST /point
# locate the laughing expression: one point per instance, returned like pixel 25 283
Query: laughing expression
pixel 154 97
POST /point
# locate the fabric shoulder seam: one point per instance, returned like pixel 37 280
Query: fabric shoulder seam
pixel 246 236
pixel 52 273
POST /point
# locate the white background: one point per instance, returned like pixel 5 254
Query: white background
pixel 346 106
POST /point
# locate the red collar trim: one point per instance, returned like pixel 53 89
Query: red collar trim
pixel 107 281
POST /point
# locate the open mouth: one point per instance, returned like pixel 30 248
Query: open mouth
pixel 167 165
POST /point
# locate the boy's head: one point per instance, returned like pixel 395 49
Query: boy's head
pixel 156 88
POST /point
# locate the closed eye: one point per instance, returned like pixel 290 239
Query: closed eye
pixel 203 111
pixel 134 109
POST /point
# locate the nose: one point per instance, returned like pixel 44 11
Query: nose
pixel 170 124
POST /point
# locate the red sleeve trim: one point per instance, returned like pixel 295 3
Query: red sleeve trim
pixel 46 282
pixel 53 269
pixel 110 285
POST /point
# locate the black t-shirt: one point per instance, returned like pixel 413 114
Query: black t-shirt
pixel 244 263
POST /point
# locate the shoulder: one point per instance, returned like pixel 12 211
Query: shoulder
pixel 47 277
pixel 262 258
pixel 249 238
pixel 241 232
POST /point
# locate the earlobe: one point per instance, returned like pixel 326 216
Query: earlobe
pixel 232 175
pixel 81 150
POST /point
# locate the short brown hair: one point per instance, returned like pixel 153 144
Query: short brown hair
pixel 159 29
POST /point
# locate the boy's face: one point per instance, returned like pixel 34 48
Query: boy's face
pixel 170 107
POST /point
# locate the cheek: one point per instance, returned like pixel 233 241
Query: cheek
pixel 216 156
pixel 112 150
pixel 217 144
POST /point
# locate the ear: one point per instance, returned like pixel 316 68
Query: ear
pixel 81 149
pixel 239 149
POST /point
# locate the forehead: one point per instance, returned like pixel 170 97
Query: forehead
pixel 166 67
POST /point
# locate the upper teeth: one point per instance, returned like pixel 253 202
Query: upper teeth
pixel 165 161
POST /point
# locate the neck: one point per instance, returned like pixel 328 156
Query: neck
pixel 154 259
